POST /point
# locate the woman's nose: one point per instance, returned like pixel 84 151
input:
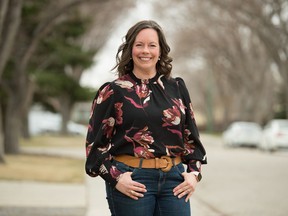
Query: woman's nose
pixel 145 49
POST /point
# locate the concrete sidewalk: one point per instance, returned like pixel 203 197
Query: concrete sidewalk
pixel 27 198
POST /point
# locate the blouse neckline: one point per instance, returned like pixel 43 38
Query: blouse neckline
pixel 150 80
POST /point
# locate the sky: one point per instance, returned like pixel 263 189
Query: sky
pixel 105 59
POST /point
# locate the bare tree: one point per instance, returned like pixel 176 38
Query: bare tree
pixel 268 20
pixel 234 64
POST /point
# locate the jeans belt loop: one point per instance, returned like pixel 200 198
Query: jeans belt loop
pixel 157 165
pixel 140 163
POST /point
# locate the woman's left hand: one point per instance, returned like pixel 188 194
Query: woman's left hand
pixel 187 187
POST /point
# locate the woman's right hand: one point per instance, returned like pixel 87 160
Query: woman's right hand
pixel 129 187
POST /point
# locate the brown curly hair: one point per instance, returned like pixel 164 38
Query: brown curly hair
pixel 124 62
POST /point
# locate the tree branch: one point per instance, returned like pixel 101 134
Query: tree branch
pixel 3 11
pixel 12 23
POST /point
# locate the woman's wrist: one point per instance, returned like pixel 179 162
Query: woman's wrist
pixel 197 175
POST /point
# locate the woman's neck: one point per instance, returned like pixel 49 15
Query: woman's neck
pixel 144 75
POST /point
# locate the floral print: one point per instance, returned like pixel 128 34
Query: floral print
pixel 108 125
pixel 119 113
pixel 143 118
pixel 171 116
pixel 104 94
pixel 143 137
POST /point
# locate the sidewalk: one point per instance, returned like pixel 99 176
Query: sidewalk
pixel 41 199
pixel 28 198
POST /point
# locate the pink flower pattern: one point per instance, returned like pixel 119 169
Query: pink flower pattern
pixel 171 116
pixel 119 113
pixel 104 95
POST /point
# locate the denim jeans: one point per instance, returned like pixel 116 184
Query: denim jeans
pixel 159 199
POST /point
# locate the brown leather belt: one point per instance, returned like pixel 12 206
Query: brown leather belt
pixel 164 163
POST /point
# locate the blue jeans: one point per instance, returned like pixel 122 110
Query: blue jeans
pixel 159 199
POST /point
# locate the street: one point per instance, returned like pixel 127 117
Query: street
pixel 242 181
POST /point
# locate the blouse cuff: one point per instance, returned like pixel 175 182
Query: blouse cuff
pixel 194 166
pixel 110 173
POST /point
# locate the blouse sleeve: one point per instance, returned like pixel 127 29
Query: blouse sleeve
pixel 98 140
pixel 195 154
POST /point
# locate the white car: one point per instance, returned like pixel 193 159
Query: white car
pixel 275 135
pixel 242 133
pixel 44 122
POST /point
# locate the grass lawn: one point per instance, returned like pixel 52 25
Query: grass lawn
pixel 45 168
pixel 54 141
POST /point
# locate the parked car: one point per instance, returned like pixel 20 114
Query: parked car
pixel 275 135
pixel 242 133
pixel 44 122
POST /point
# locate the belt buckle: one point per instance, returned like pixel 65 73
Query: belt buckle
pixel 169 164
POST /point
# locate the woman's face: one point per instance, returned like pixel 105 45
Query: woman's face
pixel 146 51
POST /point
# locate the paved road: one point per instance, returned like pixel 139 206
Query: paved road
pixel 244 181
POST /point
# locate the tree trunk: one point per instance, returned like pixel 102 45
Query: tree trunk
pixel 286 102
pixel 3 10
pixel 285 89
pixel 30 89
pixel 9 25
pixel 284 71
pixel 25 127
pixel 10 18
pixel 12 125
pixel 2 160
pixel 17 91
pixel 65 110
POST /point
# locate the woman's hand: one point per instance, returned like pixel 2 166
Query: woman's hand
pixel 129 187
pixel 187 187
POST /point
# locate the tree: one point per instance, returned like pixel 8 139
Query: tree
pixel 268 20
pixel 10 16
pixel 57 75
pixel 229 53
pixel 19 84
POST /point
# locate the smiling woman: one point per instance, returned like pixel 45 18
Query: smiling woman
pixel 142 129
pixel 146 53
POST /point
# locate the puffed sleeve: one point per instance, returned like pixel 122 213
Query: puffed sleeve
pixel 195 154
pixel 98 140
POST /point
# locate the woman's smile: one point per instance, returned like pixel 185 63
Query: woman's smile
pixel 145 53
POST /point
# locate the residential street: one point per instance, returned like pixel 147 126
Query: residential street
pixel 243 181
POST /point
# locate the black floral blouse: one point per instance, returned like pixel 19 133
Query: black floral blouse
pixel 143 118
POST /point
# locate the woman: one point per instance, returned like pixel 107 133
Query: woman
pixel 142 129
